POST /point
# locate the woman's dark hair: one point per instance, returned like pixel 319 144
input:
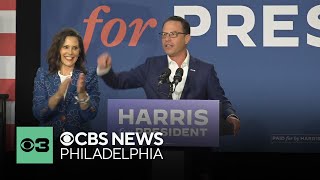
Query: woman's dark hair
pixel 53 55
pixel 185 24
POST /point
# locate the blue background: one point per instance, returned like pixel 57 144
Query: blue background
pixel 275 90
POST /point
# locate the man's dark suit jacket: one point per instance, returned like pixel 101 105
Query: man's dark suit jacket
pixel 202 82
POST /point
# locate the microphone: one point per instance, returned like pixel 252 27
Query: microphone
pixel 164 77
pixel 178 76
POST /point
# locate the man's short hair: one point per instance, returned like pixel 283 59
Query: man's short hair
pixel 185 24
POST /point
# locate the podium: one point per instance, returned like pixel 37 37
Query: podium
pixel 185 124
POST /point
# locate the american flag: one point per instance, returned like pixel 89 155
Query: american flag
pixel 8 65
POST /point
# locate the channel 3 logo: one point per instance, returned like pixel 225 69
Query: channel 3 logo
pixel 34 145
pixel 28 145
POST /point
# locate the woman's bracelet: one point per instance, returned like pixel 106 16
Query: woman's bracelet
pixel 82 101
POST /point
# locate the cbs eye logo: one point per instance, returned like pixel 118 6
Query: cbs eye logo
pixel 66 138
pixel 40 145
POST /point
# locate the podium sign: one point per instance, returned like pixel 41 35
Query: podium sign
pixel 183 122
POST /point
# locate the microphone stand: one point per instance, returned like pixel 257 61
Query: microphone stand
pixel 170 90
pixel 176 79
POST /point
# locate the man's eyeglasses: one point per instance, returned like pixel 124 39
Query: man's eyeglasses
pixel 173 34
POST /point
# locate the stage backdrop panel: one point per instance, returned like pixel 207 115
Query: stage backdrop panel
pixel 266 54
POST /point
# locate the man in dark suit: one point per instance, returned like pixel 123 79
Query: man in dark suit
pixel 199 79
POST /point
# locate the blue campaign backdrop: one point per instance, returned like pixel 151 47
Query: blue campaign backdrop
pixel 275 89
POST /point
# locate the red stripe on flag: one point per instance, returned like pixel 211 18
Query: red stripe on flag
pixel 7 4
pixel 8 44
pixel 10 137
pixel 8 86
